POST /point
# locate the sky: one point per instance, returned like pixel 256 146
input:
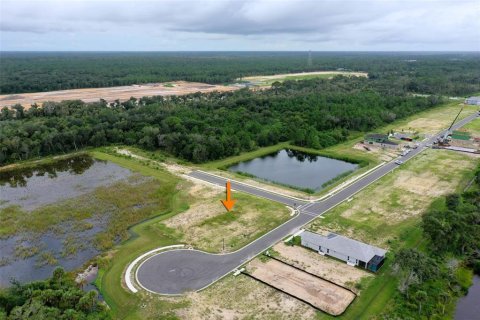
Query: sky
pixel 240 25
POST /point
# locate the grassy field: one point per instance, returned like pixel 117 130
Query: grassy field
pixel 387 214
pixel 192 214
pixel 268 80
pixel 396 201
pixel 474 127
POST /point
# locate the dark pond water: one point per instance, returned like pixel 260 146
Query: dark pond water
pixel 294 168
pixel 468 307
pixel 42 185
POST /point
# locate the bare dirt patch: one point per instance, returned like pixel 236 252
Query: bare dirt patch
pixel 243 298
pixel 328 268
pixel 383 154
pixel 111 94
pixel 322 294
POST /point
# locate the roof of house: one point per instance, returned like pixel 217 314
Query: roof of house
pixel 473 99
pixel 344 245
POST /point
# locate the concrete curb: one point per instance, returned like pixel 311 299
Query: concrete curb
pixel 128 272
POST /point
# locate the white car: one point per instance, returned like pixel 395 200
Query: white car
pixel 399 162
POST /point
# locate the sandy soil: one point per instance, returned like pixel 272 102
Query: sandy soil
pixel 243 298
pixel 110 94
pixel 320 293
pixel 284 75
pixel 384 154
pixel 328 268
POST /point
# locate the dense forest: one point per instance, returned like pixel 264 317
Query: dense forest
pixel 200 127
pixel 454 74
pixel 56 298
pixel 432 278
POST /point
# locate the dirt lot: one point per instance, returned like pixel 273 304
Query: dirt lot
pixel 241 297
pixel 328 268
pixel 383 154
pixel 122 93
pixel 320 293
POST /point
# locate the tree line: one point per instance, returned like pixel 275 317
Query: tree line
pixel 58 297
pixel 201 127
pixel 430 280
pixel 454 74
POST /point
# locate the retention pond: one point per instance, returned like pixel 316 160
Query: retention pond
pixel 33 241
pixel 296 169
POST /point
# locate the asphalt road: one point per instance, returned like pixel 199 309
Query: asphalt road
pixel 179 271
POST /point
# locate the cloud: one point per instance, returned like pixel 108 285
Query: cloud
pixel 335 24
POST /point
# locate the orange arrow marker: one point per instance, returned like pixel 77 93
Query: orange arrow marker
pixel 228 203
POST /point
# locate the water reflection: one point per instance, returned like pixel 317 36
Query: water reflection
pixel 19 177
pixel 295 168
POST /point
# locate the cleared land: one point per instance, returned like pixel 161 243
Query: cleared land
pixel 268 80
pixel 380 212
pixel 473 127
pixel 320 293
pixel 427 123
pixel 331 269
pixel 111 94
pixel 206 224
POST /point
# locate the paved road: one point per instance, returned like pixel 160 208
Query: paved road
pixel 178 271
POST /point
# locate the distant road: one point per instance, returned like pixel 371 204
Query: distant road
pixel 178 271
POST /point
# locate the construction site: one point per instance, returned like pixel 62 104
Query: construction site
pixel 112 94
pixel 401 142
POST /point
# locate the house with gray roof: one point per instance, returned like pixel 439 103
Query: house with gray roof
pixel 380 140
pixel 353 252
pixel 473 101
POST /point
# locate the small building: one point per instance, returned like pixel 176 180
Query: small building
pixel 380 140
pixel 473 101
pixel 353 252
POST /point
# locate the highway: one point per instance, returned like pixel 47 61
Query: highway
pixel 176 272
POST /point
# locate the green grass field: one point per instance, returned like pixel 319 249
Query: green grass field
pixel 474 127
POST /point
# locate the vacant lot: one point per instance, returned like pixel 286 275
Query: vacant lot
pixel 207 225
pixel 111 94
pixel 474 127
pixel 380 212
pixel 331 269
pixel 268 80
pixel 320 293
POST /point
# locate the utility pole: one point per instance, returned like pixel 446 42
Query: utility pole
pixel 223 242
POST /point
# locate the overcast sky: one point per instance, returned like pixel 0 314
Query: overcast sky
pixel 240 25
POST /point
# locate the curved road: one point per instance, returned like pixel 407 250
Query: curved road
pixel 179 271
